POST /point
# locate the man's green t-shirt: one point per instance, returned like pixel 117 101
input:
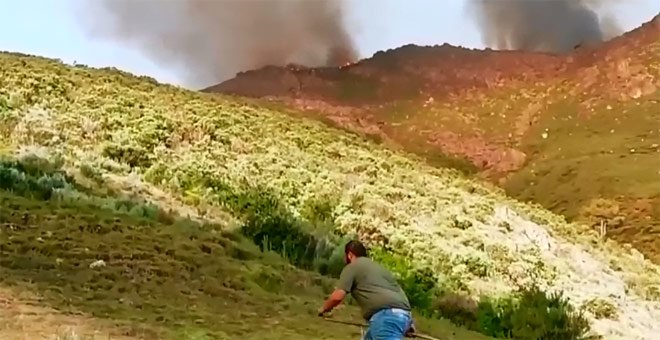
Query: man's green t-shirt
pixel 372 286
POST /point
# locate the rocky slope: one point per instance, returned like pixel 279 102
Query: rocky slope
pixel 577 133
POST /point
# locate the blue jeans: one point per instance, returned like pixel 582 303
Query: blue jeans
pixel 388 324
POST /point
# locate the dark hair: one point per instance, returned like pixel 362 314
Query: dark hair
pixel 356 248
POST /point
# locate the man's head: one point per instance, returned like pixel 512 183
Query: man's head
pixel 353 250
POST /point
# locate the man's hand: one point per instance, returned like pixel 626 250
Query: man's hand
pixel 322 311
pixel 333 301
pixel 412 330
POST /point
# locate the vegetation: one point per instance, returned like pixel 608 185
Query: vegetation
pixel 610 152
pixel 153 274
pixel 578 148
pixel 126 241
pixel 293 187
pixel 560 132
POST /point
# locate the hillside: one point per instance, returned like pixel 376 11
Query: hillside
pixel 91 249
pixel 576 133
pixel 164 211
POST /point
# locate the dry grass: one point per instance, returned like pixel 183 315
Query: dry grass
pixel 24 316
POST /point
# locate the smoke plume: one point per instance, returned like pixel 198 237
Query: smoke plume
pixel 555 26
pixel 211 40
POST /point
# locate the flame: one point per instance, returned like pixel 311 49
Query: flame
pixel 346 64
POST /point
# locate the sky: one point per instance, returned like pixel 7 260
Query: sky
pixel 51 28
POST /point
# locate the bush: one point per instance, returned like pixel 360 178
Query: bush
pixel 282 235
pixel 41 179
pixel 601 308
pixel 271 226
pixel 37 166
pixel 31 179
pixel 604 211
pixel 133 155
pixel 319 210
pixel 459 308
pixel 494 317
pixel 91 173
pixel 531 314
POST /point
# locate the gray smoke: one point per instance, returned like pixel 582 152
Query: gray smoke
pixel 555 26
pixel 211 40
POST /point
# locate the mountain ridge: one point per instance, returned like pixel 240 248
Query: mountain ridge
pixel 494 113
pixel 522 65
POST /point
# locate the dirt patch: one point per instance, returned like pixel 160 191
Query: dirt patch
pixel 23 316
pixel 492 158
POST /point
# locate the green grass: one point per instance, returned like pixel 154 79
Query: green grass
pixel 173 278
pixel 213 154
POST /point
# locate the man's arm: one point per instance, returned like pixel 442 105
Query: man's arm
pixel 344 285
pixel 333 301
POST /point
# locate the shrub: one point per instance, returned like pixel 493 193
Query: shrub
pixel 604 211
pixel 40 178
pixel 270 225
pixel 459 308
pixel 319 211
pixel 601 308
pixel 133 155
pixel 282 235
pixel 37 166
pixel 528 313
pixel 531 314
pixel 495 317
pixel 91 173
pixel 31 179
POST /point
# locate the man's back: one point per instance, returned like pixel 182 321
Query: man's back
pixel 372 286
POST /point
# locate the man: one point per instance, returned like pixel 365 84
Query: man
pixel 384 304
